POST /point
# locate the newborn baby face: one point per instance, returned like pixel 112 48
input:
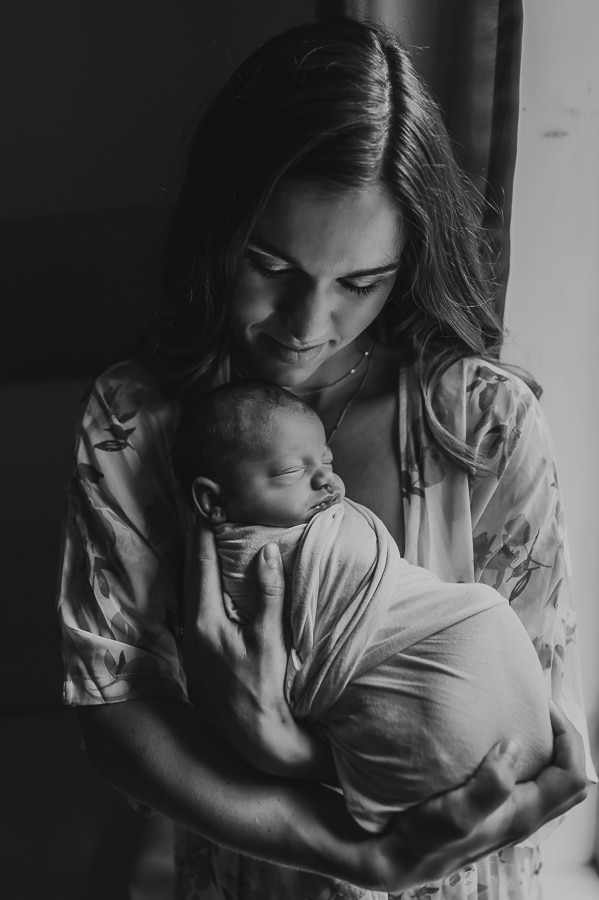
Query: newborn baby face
pixel 287 476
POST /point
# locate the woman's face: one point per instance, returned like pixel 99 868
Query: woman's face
pixel 316 272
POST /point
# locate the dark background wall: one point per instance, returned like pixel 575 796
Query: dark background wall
pixel 99 94
pixel 98 99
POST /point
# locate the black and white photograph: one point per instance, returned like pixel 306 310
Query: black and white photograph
pixel 300 533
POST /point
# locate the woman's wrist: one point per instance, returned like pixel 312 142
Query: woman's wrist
pixel 282 746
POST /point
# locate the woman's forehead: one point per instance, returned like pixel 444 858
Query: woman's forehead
pixel 320 230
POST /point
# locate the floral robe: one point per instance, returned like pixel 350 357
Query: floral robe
pixel 122 570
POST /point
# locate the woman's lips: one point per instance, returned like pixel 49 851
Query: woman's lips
pixel 292 355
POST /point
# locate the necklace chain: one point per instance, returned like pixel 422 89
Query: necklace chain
pixel 352 371
pixel 366 355
pixel 344 411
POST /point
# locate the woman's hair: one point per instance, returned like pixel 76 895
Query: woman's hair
pixel 219 427
pixel 339 105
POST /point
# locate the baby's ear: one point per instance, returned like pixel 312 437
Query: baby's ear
pixel 208 500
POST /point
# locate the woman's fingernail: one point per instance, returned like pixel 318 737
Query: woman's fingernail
pixel 271 556
pixel 510 749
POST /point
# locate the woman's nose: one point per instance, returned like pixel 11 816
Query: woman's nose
pixel 306 313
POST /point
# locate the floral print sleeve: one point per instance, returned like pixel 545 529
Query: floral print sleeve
pixel 503 527
pixel 518 526
pixel 122 547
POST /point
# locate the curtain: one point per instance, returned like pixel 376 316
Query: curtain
pixel 469 52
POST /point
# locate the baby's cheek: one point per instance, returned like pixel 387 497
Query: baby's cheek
pixel 339 486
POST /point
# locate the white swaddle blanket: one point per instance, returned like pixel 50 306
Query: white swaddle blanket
pixel 392 663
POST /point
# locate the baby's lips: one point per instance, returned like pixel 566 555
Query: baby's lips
pixel 331 500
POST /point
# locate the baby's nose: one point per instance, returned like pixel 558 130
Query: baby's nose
pixel 323 479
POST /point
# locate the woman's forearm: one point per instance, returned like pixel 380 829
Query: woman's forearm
pixel 162 753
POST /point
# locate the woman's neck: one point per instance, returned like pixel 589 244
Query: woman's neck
pixel 376 377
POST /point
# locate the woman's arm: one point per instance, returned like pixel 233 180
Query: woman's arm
pixel 162 752
pixel 425 842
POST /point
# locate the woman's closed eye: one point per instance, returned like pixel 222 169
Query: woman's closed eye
pixel 267 269
pixel 282 270
pixel 361 290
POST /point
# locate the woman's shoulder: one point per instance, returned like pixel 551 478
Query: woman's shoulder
pixel 126 379
pixel 473 375
pixel 483 395
pixel 127 399
pixel 130 384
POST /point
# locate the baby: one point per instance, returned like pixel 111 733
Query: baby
pixel 411 680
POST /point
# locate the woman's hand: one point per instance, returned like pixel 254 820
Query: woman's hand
pixel 489 812
pixel 236 671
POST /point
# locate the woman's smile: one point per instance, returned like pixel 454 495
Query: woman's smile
pixel 318 270
pixel 290 354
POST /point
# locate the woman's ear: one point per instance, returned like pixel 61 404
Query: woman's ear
pixel 208 500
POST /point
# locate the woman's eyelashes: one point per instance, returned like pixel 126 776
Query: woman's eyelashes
pixel 272 270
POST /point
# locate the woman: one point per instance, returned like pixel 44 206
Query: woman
pixel 324 240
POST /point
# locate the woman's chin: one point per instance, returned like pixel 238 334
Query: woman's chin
pixel 281 365
pixel 285 376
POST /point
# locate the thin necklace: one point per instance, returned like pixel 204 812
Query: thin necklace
pixel 345 409
pixel 352 371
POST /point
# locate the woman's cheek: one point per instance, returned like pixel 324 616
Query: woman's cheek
pixel 252 302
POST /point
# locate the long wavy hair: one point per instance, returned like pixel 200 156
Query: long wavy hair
pixel 338 104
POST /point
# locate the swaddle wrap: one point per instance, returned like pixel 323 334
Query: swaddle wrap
pixel 391 663
pixel 238 546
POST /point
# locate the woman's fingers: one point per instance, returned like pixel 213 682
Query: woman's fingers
pixel 454 815
pixel 204 593
pixel 268 621
pixel 564 783
pixel 490 811
pixel 568 746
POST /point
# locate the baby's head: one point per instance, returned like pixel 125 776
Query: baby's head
pixel 254 454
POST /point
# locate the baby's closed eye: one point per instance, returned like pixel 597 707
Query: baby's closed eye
pixel 289 476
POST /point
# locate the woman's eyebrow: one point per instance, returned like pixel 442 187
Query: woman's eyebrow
pixel 265 247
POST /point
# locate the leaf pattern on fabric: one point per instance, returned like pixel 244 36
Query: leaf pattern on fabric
pixel 124 628
pixel 118 603
pixel 124 401
pixel 100 566
pixel 89 473
pixel 487 389
pixel 427 467
pixel 119 440
pixel 512 559
pixel 410 486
